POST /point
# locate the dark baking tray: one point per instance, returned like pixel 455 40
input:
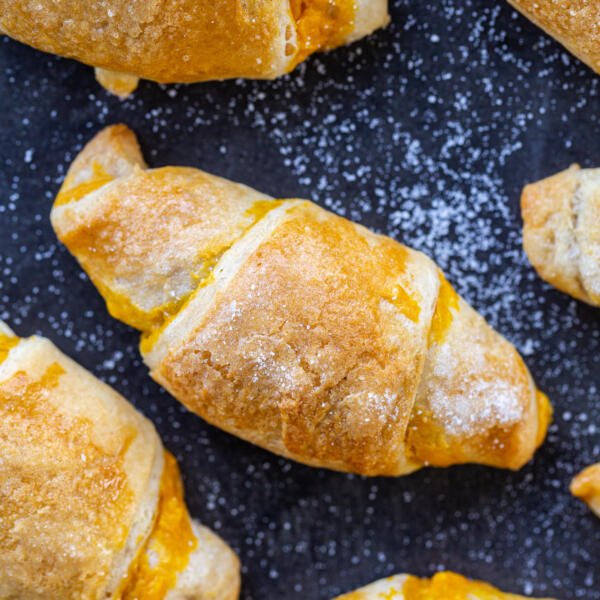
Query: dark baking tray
pixel 427 131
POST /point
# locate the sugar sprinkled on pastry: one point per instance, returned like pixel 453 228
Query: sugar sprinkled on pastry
pixel 291 327
pixel 91 505
pixel 189 40
pixel 574 23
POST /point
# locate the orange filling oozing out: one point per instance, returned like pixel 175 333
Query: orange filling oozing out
pixel 122 308
pixel 448 586
pixel 169 546
pixel 154 324
pixel 443 315
pixel 261 208
pixel 6 343
pixel 321 24
pixel 404 302
pixel 98 178
pixel 544 416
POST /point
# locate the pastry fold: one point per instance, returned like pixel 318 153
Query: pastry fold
pixel 574 23
pixel 91 505
pixel 561 231
pixel 291 327
pixel 189 40
pixel 442 586
pixel 586 486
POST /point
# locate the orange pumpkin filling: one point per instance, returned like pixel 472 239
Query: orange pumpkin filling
pixel 72 194
pixel 443 315
pixel 168 549
pixel 6 343
pixel 449 586
pixel 321 24
pixel 544 416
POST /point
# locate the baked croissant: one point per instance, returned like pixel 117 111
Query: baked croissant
pixel 91 505
pixel 587 487
pixel 574 23
pixel 291 327
pixel 561 232
pixel 442 586
pixel 189 40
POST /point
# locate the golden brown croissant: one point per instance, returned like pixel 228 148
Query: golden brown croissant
pixel 189 40
pixel 587 487
pixel 561 233
pixel 91 505
pixel 442 586
pixel 293 328
pixel 574 23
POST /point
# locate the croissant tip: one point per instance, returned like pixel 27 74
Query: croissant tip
pixel 119 84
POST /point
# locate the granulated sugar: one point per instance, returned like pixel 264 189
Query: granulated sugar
pixel 426 132
pixel 498 400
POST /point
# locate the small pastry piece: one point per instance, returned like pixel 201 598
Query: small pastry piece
pixel 586 486
pixel 561 232
pixel 574 23
pixel 189 40
pixel 91 505
pixel 442 586
pixel 293 328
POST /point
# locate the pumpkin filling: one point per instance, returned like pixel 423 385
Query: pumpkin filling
pixel 321 25
pixel 447 305
pixel 448 586
pixel 168 549
pixel 6 343
pixel 68 194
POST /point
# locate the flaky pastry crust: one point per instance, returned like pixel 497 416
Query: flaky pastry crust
pixel 296 329
pixel 574 23
pixel 561 231
pixel 89 501
pixel 188 40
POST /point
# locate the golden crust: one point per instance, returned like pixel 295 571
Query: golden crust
pixel 574 23
pixel 119 84
pixel 187 40
pixel 321 364
pixel 89 508
pixel 586 486
pixel 195 216
pixel 113 153
pixel 79 472
pixel 178 40
pixel 441 586
pixel 331 345
pixel 475 400
pixel 561 232
pixel 205 217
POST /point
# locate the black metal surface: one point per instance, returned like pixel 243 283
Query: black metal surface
pixel 426 131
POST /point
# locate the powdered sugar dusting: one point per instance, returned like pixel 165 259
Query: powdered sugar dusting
pixel 482 405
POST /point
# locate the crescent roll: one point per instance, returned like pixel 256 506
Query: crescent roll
pixel 561 232
pixel 291 327
pixel 189 40
pixel 91 505
pixel 586 486
pixel 442 586
pixel 574 23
